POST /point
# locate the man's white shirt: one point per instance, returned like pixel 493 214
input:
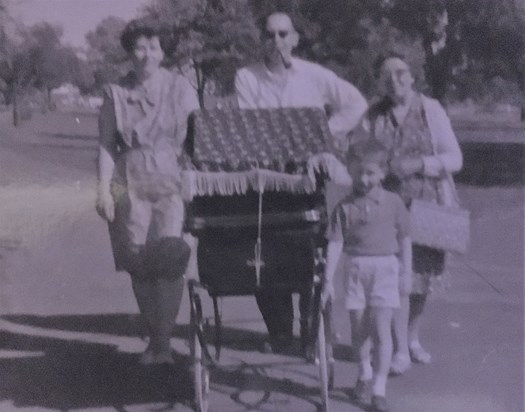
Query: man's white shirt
pixel 306 84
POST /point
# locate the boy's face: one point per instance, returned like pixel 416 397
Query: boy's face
pixel 366 175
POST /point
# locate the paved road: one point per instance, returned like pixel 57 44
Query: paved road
pixel 69 336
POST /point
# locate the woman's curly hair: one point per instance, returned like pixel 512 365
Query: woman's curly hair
pixel 147 28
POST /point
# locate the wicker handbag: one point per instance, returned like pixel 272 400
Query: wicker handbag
pixel 444 225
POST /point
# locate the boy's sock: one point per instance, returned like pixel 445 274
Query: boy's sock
pixel 379 386
pixel 365 370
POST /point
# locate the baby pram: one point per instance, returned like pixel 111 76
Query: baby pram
pixel 259 215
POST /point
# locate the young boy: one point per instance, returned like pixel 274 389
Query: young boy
pixel 370 228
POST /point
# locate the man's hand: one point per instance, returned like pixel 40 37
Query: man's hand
pixel 105 205
pixel 328 163
pixel 406 166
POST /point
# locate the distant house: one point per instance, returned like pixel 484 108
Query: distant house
pixel 68 98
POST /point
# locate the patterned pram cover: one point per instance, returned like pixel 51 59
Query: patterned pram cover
pixel 235 150
pixel 236 154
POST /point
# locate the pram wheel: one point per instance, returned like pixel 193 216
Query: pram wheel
pixel 201 375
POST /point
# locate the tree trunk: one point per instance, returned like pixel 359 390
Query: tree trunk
pixel 15 105
pixel 200 84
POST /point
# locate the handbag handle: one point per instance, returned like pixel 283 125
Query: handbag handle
pixel 448 175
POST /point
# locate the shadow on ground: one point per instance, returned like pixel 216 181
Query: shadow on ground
pixel 71 374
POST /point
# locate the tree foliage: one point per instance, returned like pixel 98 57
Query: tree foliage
pixel 212 38
pixel 105 56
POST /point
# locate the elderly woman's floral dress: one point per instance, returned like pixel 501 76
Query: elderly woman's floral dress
pixel 412 138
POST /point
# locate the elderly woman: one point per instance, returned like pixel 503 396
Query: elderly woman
pixel 142 126
pixel 423 149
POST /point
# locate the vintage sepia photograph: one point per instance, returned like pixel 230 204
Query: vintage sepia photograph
pixel 262 205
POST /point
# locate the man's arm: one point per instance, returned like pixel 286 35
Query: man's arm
pixel 244 90
pixel 347 102
pixel 106 157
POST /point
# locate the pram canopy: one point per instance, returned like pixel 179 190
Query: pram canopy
pixel 234 151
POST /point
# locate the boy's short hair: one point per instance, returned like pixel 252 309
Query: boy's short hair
pixel 368 150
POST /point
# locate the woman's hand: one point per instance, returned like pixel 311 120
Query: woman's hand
pixel 105 205
pixel 328 292
pixel 406 166
pixel 405 284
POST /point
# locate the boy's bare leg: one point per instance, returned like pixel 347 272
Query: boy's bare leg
pixel 401 358
pixel 382 340
pixel 360 324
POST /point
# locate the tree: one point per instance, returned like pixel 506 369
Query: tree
pixel 210 37
pixel 105 56
pixel 35 57
pixel 482 44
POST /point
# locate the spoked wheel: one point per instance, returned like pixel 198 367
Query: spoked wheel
pixel 329 339
pixel 323 364
pixel 201 374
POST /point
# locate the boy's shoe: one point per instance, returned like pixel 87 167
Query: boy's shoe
pixel 379 404
pixel 361 391
pixel 418 354
pixel 400 364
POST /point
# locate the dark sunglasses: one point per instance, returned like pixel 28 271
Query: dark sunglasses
pixel 271 34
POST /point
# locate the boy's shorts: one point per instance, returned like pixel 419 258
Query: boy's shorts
pixel 371 281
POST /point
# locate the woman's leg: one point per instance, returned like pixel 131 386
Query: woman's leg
pixel 145 293
pixel 401 358
pixel 382 341
pixel 417 305
pixel 169 295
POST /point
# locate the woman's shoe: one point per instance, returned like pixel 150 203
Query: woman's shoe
pixel 400 364
pixel 361 391
pixel 148 357
pixel 418 354
pixel 164 358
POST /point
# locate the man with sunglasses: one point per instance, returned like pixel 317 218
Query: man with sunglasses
pixel 281 80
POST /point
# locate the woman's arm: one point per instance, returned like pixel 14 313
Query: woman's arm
pixel 405 275
pixel 106 157
pixel 448 155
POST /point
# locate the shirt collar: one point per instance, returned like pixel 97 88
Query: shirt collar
pixel 146 92
pixel 376 195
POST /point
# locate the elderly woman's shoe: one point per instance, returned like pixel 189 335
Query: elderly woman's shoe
pixel 418 354
pixel 400 364
pixel 379 404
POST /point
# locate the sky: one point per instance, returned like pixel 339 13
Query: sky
pixel 77 17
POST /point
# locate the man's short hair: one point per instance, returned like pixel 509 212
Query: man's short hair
pixel 263 20
pixel 369 150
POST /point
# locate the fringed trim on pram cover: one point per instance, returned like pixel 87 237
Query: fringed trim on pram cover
pixel 238 183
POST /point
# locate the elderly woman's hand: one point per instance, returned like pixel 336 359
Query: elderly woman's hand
pixel 406 166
